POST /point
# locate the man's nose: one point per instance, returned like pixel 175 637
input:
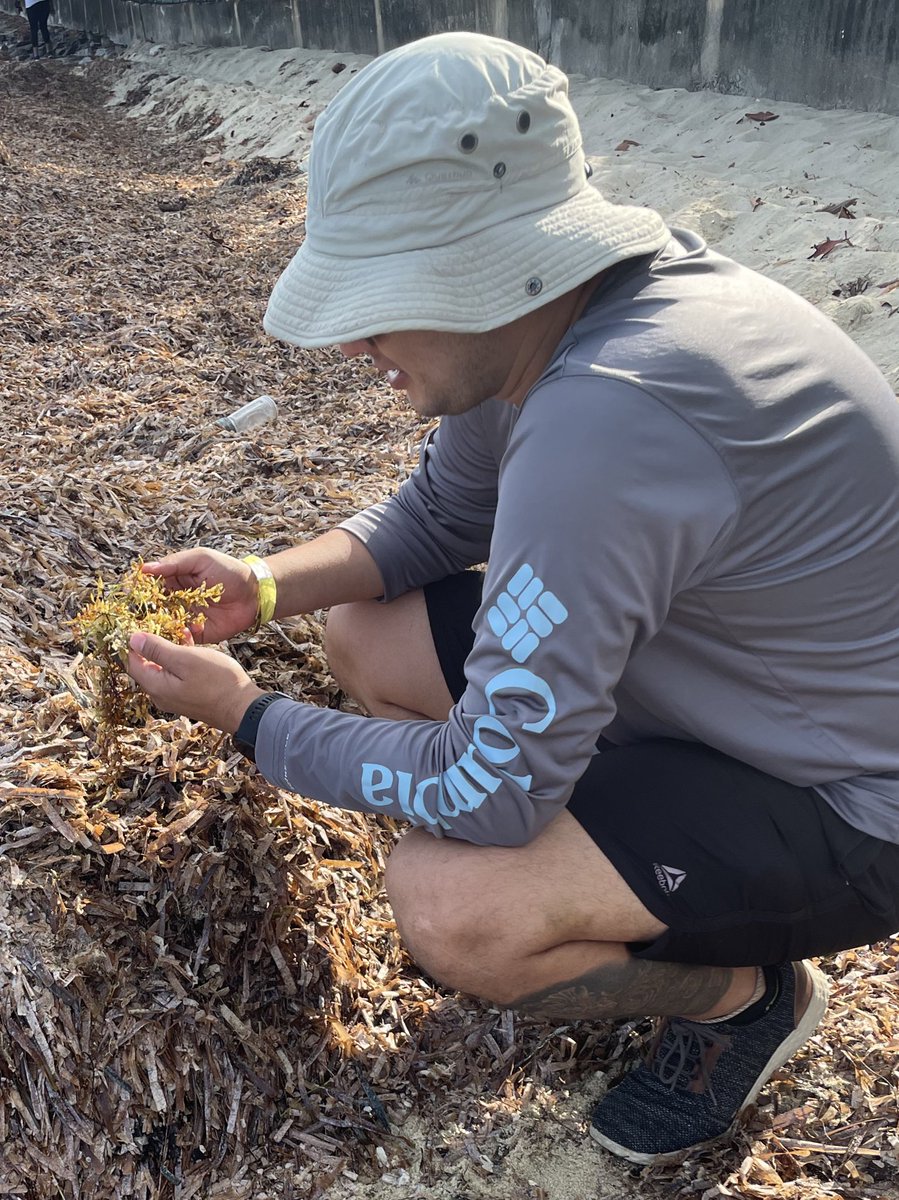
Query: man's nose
pixel 354 349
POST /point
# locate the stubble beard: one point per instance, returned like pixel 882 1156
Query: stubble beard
pixel 473 378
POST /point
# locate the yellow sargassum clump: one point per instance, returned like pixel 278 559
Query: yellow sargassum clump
pixel 137 602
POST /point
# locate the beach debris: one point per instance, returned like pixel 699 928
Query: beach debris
pixel 262 170
pixel 760 117
pixel 372 1101
pixel 626 144
pixel 822 249
pixel 137 602
pixel 855 287
pixel 889 286
pixel 176 204
pixel 338 67
pixel 756 202
pixel 842 208
pixel 250 415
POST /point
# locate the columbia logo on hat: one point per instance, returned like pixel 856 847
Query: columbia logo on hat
pixel 430 177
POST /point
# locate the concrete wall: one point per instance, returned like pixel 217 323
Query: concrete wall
pixel 846 50
pixel 658 42
pixel 828 53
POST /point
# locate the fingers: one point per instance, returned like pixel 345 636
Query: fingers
pixel 197 682
pixel 162 670
pixel 192 567
pixel 187 564
pixel 235 610
pixel 157 654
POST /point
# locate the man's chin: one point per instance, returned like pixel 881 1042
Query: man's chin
pixel 424 405
pixel 430 406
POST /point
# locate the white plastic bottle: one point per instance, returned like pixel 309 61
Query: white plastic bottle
pixel 256 412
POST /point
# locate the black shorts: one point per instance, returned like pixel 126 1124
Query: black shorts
pixel 744 869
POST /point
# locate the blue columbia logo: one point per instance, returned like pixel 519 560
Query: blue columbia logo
pixel 525 614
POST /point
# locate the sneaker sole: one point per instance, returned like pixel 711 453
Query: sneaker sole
pixel 811 1018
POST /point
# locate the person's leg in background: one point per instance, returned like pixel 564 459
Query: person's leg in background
pixel 44 6
pixel 38 16
pixel 33 25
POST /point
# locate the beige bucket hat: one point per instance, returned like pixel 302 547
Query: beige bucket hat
pixel 448 190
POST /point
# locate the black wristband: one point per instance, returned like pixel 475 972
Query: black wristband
pixel 244 737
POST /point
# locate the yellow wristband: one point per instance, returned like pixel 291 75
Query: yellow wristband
pixel 267 595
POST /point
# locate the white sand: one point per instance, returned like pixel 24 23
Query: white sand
pixel 699 161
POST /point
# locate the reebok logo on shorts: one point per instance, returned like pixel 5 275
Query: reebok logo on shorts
pixel 669 878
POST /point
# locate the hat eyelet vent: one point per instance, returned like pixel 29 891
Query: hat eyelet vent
pixel 523 121
pixel 499 170
pixel 468 143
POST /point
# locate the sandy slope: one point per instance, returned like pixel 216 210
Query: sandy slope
pixel 752 189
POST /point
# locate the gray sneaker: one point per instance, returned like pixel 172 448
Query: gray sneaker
pixel 698 1078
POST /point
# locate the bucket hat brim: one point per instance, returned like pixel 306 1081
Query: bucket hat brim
pixel 476 283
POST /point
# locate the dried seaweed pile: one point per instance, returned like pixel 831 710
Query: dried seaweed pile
pixel 201 990
pixel 198 976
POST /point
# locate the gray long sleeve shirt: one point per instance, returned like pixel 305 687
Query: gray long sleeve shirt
pixel 691 528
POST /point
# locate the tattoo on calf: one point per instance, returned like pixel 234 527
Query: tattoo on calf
pixel 635 988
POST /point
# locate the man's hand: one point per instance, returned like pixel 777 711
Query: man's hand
pixel 235 612
pixel 193 681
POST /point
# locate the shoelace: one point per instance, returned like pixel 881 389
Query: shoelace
pixel 682 1049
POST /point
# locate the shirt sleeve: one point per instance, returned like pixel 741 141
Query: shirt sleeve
pixel 441 519
pixel 609 505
